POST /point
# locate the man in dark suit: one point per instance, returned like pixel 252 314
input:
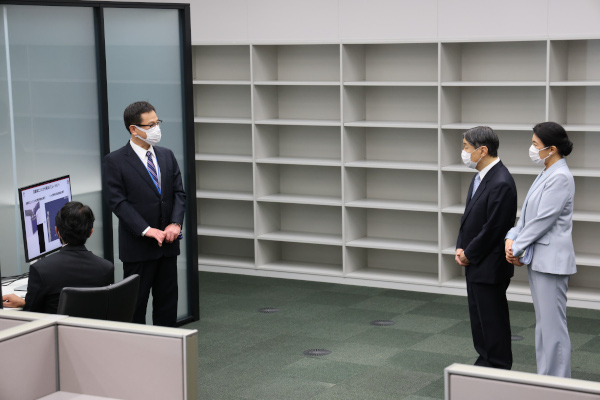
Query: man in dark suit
pixel 72 266
pixel 143 187
pixel 489 213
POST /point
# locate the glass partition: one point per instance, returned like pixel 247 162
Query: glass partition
pixel 67 72
pixel 143 62
pixel 48 114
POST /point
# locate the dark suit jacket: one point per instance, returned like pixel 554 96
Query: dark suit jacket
pixel 71 266
pixel 488 216
pixel 133 197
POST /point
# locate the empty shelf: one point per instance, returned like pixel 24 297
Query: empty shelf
pixel 395 244
pixel 394 205
pixel 224 195
pixel 226 261
pixel 303 237
pixel 223 157
pixel 223 231
pixel 302 199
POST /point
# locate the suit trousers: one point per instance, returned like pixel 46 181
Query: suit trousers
pixel 490 324
pixel 552 342
pixel 160 276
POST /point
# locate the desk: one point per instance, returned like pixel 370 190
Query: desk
pixel 9 289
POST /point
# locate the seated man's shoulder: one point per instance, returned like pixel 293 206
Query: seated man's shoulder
pixel 99 260
pixel 48 260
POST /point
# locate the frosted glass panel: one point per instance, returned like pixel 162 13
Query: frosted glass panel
pixel 143 62
pixel 9 259
pixel 48 86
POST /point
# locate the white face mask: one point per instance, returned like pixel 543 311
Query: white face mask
pixel 466 158
pixel 534 154
pixel 153 135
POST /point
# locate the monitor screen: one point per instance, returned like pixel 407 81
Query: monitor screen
pixel 39 205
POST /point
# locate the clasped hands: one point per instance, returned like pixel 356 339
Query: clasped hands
pixel 510 257
pixel 169 235
pixel 460 258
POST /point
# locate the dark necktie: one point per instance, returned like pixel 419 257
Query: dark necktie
pixel 152 170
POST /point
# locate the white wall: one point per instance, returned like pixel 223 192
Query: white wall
pixel 256 21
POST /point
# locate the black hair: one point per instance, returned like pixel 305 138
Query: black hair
pixel 74 222
pixel 553 134
pixel 483 136
pixel 133 113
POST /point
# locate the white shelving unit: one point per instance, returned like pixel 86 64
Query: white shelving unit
pixel 341 162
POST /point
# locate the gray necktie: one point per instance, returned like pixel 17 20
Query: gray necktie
pixel 476 184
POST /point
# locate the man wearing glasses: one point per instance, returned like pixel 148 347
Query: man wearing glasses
pixel 142 186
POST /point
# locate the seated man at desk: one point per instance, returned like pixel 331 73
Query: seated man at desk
pixel 72 266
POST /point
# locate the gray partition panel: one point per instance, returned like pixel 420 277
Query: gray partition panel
pixel 35 350
pixel 94 361
pixel 471 388
pixel 9 323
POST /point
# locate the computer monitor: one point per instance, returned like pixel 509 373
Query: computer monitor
pixel 39 205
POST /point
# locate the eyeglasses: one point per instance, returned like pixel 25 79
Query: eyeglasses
pixel 152 125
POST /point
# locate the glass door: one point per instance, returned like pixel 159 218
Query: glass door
pixel 49 118
pixel 144 62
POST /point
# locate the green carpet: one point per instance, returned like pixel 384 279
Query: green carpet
pixel 245 354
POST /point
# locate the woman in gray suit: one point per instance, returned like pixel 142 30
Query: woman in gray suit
pixel 543 240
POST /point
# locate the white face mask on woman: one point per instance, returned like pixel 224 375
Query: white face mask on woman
pixel 466 158
pixel 153 135
pixel 534 154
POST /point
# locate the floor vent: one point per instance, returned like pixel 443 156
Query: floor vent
pixel 382 322
pixel 316 352
pixel 268 310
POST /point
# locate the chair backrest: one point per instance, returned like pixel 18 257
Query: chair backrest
pixel 122 298
pixel 114 302
pixel 84 302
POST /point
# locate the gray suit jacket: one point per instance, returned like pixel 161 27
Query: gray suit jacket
pixel 547 222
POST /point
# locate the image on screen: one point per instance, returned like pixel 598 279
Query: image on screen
pixel 39 205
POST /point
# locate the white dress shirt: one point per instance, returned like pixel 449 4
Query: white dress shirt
pixel 484 171
pixel 141 153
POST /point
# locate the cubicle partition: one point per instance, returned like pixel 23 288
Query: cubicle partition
pixel 469 382
pixel 111 360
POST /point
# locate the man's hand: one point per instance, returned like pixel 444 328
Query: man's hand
pixel 171 232
pixel 463 259
pixel 156 234
pixel 460 258
pixel 12 301
pixel 457 255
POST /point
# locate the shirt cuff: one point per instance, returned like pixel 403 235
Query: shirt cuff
pixel 145 231
pixel 517 252
pixel 511 235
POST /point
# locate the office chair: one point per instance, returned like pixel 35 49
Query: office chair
pixel 113 302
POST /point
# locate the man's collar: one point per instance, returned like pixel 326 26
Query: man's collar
pixel 74 247
pixel 487 169
pixel 140 151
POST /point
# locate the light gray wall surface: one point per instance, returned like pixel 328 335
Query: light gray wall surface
pixel 252 21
